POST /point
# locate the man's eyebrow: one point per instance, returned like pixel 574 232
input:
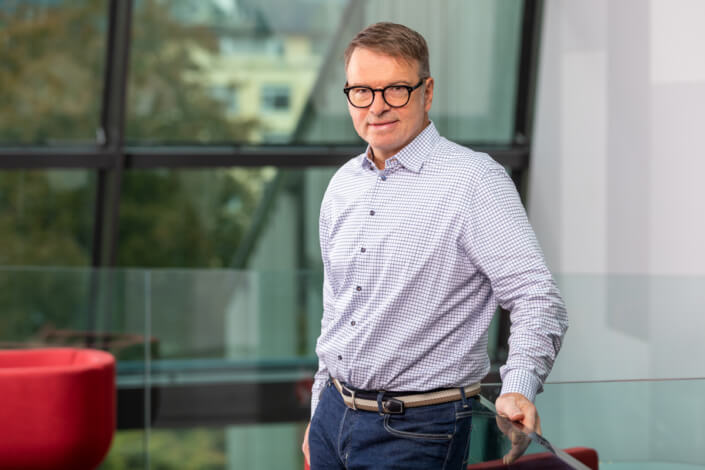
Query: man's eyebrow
pixel 396 82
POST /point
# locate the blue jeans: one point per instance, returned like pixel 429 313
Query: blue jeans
pixel 427 437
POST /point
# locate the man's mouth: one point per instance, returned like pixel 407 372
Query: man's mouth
pixel 382 125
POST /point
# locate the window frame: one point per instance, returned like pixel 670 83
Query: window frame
pixel 111 157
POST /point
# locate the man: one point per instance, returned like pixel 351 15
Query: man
pixel 421 239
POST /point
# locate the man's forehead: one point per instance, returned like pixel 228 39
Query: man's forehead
pixel 368 64
pixel 367 52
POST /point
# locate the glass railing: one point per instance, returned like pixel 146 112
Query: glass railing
pixel 212 364
pixel 215 365
pixel 631 424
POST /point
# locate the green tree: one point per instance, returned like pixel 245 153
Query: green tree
pixel 51 76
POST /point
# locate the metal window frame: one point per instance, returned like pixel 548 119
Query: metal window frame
pixel 112 157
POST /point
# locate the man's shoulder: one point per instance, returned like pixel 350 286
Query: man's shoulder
pixel 345 176
pixel 450 156
pixel 349 169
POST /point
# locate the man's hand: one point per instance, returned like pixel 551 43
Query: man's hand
pixel 304 446
pixel 516 407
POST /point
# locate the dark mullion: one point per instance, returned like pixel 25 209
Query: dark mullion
pixel 33 159
pixel 528 60
pixel 114 114
pixel 109 146
pixel 104 137
pixel 515 157
pixel 110 138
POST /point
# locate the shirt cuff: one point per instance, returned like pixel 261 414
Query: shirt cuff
pixel 521 381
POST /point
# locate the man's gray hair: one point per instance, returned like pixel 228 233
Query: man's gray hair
pixel 394 40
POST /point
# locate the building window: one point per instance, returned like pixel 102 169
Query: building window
pixel 276 98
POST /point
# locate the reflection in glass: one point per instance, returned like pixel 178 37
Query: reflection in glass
pixel 224 71
pixel 270 72
pixel 52 56
pixel 46 217
pixel 260 218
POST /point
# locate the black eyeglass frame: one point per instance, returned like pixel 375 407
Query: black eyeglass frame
pixel 410 89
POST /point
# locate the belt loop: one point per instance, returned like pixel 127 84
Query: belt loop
pixel 464 398
pixel 380 407
pixel 352 393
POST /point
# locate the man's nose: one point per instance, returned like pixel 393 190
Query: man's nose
pixel 378 105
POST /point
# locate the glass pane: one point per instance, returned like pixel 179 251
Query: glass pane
pixel 272 72
pixel 46 217
pixel 260 218
pixel 652 424
pixel 228 365
pixel 647 326
pixel 82 307
pixel 234 367
pixel 51 79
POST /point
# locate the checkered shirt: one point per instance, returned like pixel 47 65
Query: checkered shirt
pixel 416 258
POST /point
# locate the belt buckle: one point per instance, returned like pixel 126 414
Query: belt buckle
pixel 393 406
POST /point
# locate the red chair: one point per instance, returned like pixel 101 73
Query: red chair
pixel 542 461
pixel 535 461
pixel 57 408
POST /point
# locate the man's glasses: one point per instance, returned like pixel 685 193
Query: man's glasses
pixel 395 96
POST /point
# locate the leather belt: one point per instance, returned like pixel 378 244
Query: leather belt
pixel 397 404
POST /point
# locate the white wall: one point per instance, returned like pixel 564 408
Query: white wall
pixel 617 201
pixel 616 194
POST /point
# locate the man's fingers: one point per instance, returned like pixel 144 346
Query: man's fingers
pixel 304 446
pixel 507 406
pixel 529 421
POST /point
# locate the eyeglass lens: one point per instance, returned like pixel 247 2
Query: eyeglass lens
pixel 394 96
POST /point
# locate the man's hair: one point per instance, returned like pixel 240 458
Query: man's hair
pixel 394 40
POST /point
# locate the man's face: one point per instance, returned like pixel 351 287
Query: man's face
pixel 388 129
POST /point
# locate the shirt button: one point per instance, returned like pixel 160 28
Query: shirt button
pixel 352 323
pixel 358 288
pixel 340 358
pixel 372 212
pixel 363 249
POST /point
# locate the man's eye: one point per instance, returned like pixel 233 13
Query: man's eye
pixel 361 91
pixel 396 91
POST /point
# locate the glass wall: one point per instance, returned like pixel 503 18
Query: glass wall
pixel 155 129
pixel 272 72
pixel 231 217
pixel 46 217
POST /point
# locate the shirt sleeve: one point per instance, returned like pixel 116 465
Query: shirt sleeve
pixel 322 373
pixel 502 244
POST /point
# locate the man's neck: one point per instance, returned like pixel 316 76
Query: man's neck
pixel 378 161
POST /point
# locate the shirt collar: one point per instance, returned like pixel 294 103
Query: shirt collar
pixel 413 155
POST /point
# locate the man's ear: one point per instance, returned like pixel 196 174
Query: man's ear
pixel 428 97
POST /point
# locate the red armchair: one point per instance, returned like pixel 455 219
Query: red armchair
pixel 543 461
pixel 57 408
